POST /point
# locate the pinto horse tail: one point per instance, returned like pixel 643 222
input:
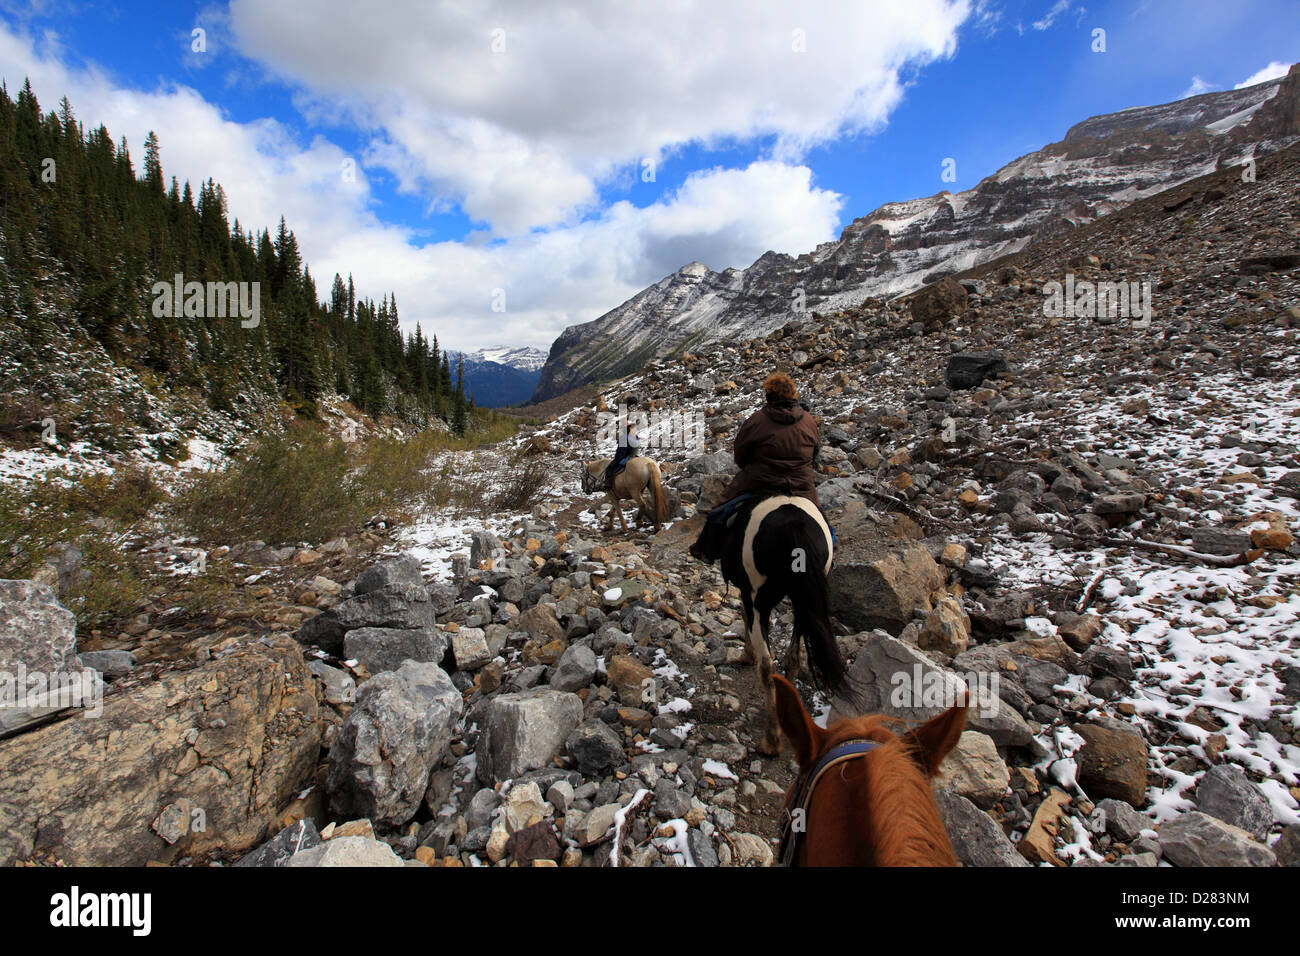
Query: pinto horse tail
pixel 812 622
pixel 657 489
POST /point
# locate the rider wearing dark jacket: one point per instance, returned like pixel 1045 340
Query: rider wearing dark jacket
pixel 774 448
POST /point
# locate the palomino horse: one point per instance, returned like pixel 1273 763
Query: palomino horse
pixel 863 795
pixel 631 483
pixel 781 547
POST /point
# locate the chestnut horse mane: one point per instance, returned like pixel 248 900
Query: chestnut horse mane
pixel 889 798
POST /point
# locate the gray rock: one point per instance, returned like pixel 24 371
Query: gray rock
pixel 886 671
pixel 280 848
pixel 482 808
pixel 1039 677
pixel 396 734
pixel 469 648
pixel 1227 793
pixel 340 686
pixel 575 669
pixel 402 571
pixel 1119 504
pixel 595 747
pixel 1220 541
pixel 702 851
pixel 560 795
pixel 1119 820
pixel 970 369
pixel 718 463
pixel 875 584
pixel 1105 660
pixel 976 839
pixel 403 608
pixel 672 802
pixel 38 635
pixel 1198 839
pixel 383 649
pixel 482 545
pixel 109 663
pixel 348 852
pixel 524 731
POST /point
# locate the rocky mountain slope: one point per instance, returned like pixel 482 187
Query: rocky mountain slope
pixel 1090 522
pixel 1101 165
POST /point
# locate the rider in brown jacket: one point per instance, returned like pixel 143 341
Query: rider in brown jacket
pixel 774 448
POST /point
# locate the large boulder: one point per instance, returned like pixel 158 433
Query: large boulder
pixel 875 584
pixel 1226 792
pixel 938 302
pixel 717 463
pixel 895 678
pixel 387 648
pixel 209 755
pixel 401 607
pixel 402 571
pixel 40 673
pixel 1112 763
pixel 391 741
pixel 1198 839
pixel 524 731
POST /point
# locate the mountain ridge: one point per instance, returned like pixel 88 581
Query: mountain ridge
pixel 1102 164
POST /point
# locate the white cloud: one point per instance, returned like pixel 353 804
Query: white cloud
pixel 1271 72
pixel 1050 17
pixel 1196 88
pixel 552 278
pixel 583 91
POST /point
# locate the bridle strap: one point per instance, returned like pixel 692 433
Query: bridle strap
pixel 801 793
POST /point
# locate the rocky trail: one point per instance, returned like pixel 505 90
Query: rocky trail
pixel 1088 520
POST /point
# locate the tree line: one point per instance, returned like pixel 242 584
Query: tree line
pixel 80 230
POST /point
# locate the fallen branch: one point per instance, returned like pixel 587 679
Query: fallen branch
pixel 1216 560
pixel 1086 598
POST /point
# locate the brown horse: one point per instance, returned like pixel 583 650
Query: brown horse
pixel 629 484
pixel 874 807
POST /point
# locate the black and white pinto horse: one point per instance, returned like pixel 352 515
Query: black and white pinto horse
pixel 781 547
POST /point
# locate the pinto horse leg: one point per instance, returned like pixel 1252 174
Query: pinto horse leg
pixel 756 624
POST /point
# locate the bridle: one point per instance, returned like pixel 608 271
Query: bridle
pixel 796 804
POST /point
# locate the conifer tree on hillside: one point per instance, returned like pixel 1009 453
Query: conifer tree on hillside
pixel 83 238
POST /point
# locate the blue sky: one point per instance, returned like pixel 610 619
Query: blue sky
pixel 447 151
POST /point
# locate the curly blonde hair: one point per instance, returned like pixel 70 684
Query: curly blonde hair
pixel 778 386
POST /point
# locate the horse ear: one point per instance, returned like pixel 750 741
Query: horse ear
pixel 803 734
pixel 934 739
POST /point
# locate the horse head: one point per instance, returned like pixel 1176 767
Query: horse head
pixel 863 792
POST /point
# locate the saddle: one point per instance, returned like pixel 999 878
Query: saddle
pixel 713 536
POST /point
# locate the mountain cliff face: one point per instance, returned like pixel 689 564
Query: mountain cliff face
pixel 1102 164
